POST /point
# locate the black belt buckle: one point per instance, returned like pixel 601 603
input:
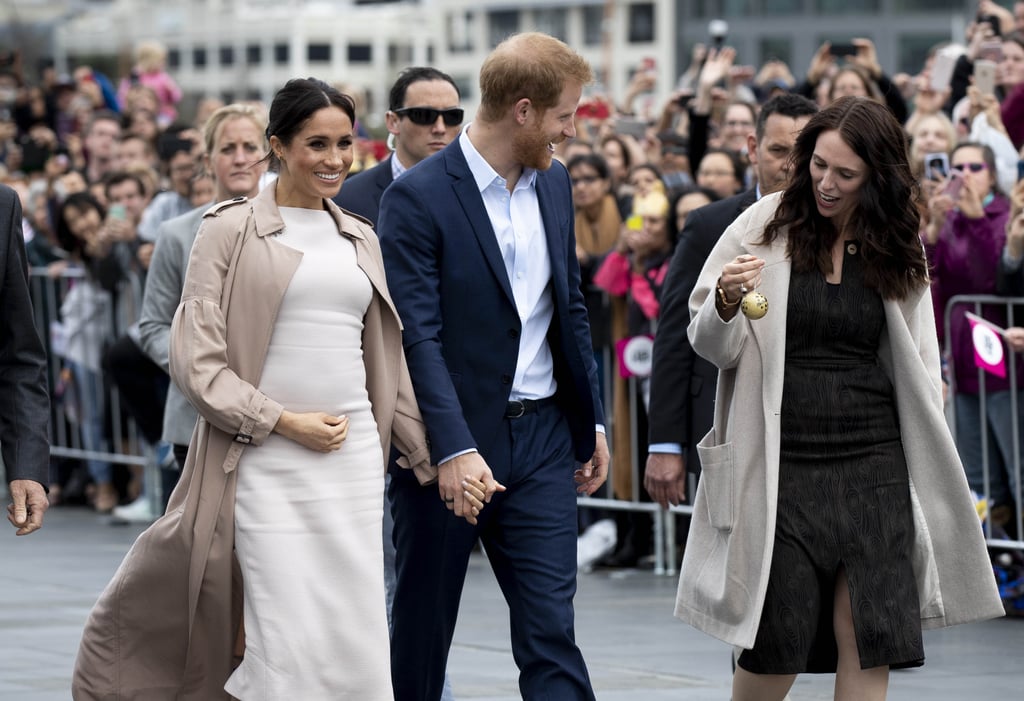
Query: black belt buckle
pixel 515 409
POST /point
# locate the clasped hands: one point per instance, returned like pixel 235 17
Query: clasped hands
pixel 465 484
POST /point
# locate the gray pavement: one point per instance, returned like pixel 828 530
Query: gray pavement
pixel 635 649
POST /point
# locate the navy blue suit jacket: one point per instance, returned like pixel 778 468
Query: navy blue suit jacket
pixel 461 336
pixel 361 193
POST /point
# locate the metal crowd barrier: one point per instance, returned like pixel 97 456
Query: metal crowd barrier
pixel 976 304
pixel 664 536
pixel 48 292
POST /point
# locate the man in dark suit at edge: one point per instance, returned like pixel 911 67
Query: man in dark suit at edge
pixel 480 253
pixel 682 383
pixel 423 117
pixel 24 397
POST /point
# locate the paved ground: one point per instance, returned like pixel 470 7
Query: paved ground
pixel 635 649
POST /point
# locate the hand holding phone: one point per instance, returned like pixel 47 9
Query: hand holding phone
pixel 843 49
pixel 985 76
pixel 936 166
pixel 954 186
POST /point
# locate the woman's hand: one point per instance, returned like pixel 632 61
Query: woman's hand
pixel 1015 338
pixel 740 276
pixel 821 63
pixel 867 58
pixel 315 430
pixel 1015 235
pixel 970 202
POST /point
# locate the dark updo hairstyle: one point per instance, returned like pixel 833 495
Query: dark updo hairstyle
pixel 886 220
pixel 295 104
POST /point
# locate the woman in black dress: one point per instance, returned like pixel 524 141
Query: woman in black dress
pixel 849 528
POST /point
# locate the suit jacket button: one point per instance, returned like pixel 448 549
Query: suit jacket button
pixel 513 333
pixel 506 379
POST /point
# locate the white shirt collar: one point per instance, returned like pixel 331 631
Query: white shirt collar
pixel 484 175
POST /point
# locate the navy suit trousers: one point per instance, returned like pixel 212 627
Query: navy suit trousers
pixel 529 536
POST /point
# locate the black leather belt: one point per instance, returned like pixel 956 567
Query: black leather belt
pixel 521 407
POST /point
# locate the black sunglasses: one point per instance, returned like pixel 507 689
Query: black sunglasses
pixel 425 116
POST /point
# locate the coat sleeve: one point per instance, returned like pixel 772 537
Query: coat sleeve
pixel 162 296
pixel 198 349
pixel 411 245
pixel 720 342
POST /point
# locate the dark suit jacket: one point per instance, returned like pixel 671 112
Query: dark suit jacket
pixel 24 397
pixel 461 337
pixel 682 406
pixel 361 193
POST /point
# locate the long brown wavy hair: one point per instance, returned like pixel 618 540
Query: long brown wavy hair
pixel 886 221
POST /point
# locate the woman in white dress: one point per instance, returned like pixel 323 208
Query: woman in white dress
pixel 309 500
pixel 287 343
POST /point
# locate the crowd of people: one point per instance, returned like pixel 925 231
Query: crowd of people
pixel 256 311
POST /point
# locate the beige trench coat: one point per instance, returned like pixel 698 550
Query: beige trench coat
pixel 165 626
pixel 728 554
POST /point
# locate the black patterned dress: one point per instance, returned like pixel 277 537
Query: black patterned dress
pixel 844 496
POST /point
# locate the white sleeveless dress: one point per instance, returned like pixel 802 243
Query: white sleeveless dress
pixel 308 524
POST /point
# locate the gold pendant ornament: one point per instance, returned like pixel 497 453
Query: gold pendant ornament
pixel 754 305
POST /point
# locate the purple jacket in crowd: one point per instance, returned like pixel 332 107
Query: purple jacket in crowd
pixel 964 261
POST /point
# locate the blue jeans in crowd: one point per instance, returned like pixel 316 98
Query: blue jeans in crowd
pixel 1002 480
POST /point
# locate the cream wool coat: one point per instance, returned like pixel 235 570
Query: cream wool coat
pixel 165 626
pixel 724 574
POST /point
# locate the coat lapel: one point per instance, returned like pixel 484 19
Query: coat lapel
pixel 472 203
pixel 553 231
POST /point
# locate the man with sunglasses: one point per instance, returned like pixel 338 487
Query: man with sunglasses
pixel 423 117
pixel 480 255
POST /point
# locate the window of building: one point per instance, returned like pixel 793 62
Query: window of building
pixel 460 32
pixel 641 23
pixel 779 48
pixel 227 55
pixel 399 54
pixel 199 57
pixel 318 53
pixel 360 53
pixel 913 50
pixel 927 5
pixel 228 96
pixel 174 58
pixel 840 7
pixel 282 54
pixel 551 21
pixel 253 95
pixel 253 54
pixel 776 7
pixel 593 25
pixel 466 85
pixel 501 24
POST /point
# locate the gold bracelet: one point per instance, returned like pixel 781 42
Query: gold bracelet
pixel 723 299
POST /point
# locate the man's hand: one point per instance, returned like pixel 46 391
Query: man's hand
pixel 465 484
pixel 665 478
pixel 593 473
pixel 29 505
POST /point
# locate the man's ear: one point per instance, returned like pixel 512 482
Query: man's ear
pixel 391 122
pixel 522 110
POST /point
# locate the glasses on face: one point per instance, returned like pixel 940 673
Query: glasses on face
pixel 738 123
pixel 973 167
pixel 585 180
pixel 425 116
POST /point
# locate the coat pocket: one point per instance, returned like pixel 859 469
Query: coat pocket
pixel 717 465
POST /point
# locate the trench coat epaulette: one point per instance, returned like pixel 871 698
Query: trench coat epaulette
pixel 216 209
